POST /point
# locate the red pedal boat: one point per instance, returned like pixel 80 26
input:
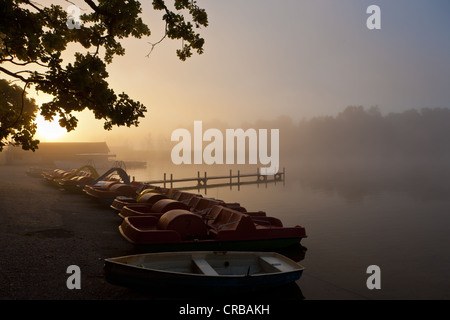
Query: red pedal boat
pixel 109 190
pixel 221 228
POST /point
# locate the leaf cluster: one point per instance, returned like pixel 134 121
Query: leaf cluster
pixel 17 115
pixel 178 28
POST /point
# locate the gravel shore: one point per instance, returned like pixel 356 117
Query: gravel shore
pixel 44 230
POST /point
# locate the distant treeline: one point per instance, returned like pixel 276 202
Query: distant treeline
pixel 356 133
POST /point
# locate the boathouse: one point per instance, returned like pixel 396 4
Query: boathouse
pixel 61 154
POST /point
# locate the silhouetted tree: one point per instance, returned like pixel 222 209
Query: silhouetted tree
pixel 33 38
pixel 17 113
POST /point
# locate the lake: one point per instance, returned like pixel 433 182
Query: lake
pixel 394 216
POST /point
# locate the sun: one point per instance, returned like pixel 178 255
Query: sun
pixel 47 130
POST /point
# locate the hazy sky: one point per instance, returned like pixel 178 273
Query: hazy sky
pixel 300 58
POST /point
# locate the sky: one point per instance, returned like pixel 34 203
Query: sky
pixel 266 59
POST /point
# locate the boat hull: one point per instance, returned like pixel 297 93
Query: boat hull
pixel 216 245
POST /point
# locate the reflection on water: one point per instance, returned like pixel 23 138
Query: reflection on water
pixel 420 181
pixel 394 216
pixel 287 292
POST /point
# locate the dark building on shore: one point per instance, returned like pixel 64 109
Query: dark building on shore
pixel 61 154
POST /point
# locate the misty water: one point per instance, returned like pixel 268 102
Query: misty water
pixel 395 216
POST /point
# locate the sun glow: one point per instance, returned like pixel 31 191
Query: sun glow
pixel 47 130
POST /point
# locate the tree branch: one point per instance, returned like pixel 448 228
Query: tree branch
pixel 75 4
pixel 95 7
pixel 12 74
pixel 168 12
pixel 158 42
pixel 33 5
pixel 23 63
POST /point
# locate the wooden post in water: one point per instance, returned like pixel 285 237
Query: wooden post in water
pixel 205 183
pixel 231 179
pixel 171 181
pixel 164 180
pixel 257 177
pixel 265 178
pixel 198 181
pixel 239 179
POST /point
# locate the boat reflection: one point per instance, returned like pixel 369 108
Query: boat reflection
pixel 296 252
pixel 289 292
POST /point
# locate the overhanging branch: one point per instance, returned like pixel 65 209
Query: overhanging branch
pixel 95 7
pixel 13 74
pixel 23 63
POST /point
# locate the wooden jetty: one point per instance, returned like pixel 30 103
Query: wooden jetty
pixel 203 181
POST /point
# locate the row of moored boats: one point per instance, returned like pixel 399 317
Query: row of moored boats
pixel 187 236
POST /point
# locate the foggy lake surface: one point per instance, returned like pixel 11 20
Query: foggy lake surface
pixel 394 217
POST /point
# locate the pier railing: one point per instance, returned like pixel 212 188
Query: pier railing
pixel 233 179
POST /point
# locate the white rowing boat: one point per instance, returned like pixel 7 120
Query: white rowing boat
pixel 212 270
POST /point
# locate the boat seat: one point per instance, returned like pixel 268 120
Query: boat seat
pixel 213 213
pixel 226 219
pixel 275 263
pixel 205 267
pixel 203 205
pixel 184 196
pixel 176 195
pixel 231 225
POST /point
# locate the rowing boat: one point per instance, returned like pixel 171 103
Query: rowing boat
pixel 206 270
